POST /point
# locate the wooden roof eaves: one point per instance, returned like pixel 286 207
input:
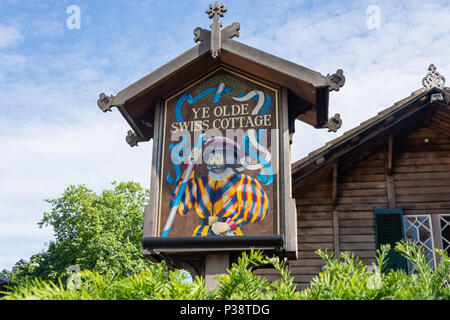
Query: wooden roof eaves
pixel 315 79
pixel 142 85
pixel 348 136
pixel 273 62
pixel 306 83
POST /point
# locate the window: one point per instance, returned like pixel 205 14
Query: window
pixel 392 226
pixel 444 221
pixel 389 230
pixel 418 229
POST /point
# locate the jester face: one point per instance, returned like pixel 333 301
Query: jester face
pixel 220 157
pixel 216 162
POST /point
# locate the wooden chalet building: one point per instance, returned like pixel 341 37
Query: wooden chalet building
pixel 4 282
pixel 383 181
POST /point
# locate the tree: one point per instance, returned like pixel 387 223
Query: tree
pixel 99 232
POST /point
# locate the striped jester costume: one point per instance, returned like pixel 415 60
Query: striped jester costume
pixel 237 200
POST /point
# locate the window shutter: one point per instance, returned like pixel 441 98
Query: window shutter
pixel 389 230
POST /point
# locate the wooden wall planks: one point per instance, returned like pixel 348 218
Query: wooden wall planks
pixel 420 178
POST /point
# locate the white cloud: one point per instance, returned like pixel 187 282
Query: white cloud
pixel 381 66
pixel 41 160
pixel 9 36
pixel 22 228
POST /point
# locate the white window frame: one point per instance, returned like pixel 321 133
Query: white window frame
pixel 444 245
pixel 430 222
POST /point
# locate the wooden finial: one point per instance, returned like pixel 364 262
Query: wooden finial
pixel 217 34
pixel 214 12
pixel 433 79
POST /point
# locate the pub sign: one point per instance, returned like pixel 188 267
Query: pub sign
pixel 219 159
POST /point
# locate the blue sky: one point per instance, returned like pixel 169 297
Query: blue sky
pixel 52 133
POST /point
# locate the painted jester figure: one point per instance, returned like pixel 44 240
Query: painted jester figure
pixel 224 200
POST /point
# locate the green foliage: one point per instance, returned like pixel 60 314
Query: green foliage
pixel 5 273
pixel 159 283
pixel 347 278
pixel 99 232
pixel 425 282
pixel 242 284
pixel 343 278
pixel 154 283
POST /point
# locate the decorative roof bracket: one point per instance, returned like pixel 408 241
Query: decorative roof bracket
pixel 336 80
pixel 333 124
pixel 231 31
pixel 201 34
pixel 105 103
pixel 133 139
pixel 228 33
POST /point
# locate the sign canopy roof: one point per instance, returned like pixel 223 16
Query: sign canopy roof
pixel 308 90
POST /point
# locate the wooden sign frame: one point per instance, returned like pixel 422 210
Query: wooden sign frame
pixel 284 240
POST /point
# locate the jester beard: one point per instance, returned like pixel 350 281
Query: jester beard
pixel 224 200
pixel 221 155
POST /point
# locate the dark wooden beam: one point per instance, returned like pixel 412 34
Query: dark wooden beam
pixel 334 190
pixel 296 107
pixel 390 183
pixel 334 202
pixel 389 154
pixel 336 233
